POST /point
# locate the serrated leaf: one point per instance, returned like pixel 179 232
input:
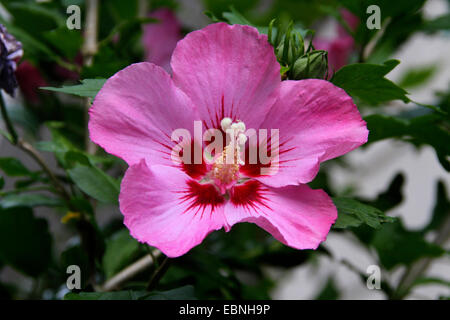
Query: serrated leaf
pixel 429 129
pixel 352 213
pixel 87 88
pixel 368 83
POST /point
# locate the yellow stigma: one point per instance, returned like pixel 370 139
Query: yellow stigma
pixel 226 166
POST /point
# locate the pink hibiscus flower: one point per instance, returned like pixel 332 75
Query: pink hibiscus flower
pixel 228 78
pixel 340 47
pixel 160 38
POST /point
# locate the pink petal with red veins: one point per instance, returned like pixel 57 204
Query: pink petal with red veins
pixel 295 215
pixel 134 114
pixel 160 38
pixel 164 208
pixel 317 121
pixel 227 71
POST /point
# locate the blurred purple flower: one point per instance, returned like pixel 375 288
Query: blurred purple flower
pixel 30 79
pixel 340 47
pixel 10 52
pixel 160 38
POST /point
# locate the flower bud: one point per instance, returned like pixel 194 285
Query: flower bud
pixel 313 65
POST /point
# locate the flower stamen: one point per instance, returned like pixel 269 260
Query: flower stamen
pixel 225 170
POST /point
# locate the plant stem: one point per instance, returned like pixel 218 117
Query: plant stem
pixel 142 8
pixel 87 234
pixel 129 272
pixel 32 152
pixel 90 49
pixel 157 275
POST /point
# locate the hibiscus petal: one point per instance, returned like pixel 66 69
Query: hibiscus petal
pixel 134 114
pixel 295 215
pixel 164 208
pixel 227 71
pixel 317 121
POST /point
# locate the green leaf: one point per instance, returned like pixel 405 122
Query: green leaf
pixel 441 210
pixel 440 23
pixel 352 213
pixel 116 295
pixel 397 246
pixel 32 47
pixel 25 242
pixel 14 168
pixel 59 144
pixel 29 200
pixel 2 182
pixel 23 117
pixel 430 281
pixel 429 129
pixel 91 180
pixel 399 19
pixel 50 146
pixel 234 17
pixel 66 41
pixel 417 76
pixel 368 83
pixel 31 12
pixel 182 293
pixel 392 196
pixel 329 291
pixel 120 251
pixel 87 88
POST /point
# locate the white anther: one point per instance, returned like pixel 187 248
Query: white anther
pixel 238 126
pixel 226 123
pixel 242 139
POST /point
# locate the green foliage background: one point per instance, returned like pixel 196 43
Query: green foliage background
pixel 231 266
